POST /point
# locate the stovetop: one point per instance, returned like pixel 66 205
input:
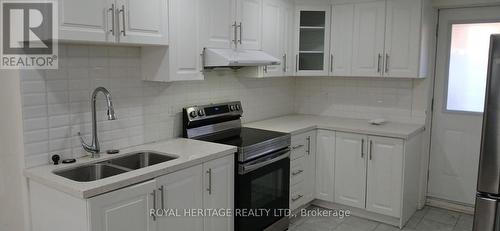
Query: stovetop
pixel 242 137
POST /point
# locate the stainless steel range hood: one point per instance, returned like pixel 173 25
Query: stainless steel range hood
pixel 215 58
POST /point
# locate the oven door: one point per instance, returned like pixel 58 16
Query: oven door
pixel 263 184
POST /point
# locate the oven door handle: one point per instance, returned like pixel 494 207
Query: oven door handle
pixel 244 169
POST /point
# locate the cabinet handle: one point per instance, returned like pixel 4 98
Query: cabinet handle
pixel 154 204
pixel 298 146
pixel 362 148
pixel 265 69
pixel 371 149
pixel 297 172
pixel 297 198
pixel 209 189
pixel 112 10
pixel 241 33
pixel 202 60
pixel 308 145
pixel 284 63
pixel 386 63
pixel 296 63
pixel 235 25
pixel 378 63
pixel 331 63
pixel 162 199
pixel 122 11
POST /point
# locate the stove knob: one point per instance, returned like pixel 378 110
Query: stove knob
pixel 201 113
pixel 237 107
pixel 193 114
pixel 232 108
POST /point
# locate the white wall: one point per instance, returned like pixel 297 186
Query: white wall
pixel 56 102
pixel 12 184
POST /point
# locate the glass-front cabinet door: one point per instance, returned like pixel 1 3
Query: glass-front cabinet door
pixel 313 31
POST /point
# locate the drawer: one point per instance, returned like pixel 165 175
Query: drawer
pixel 297 170
pixel 299 147
pixel 296 196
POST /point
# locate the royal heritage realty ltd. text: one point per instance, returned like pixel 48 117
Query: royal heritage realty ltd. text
pixel 248 213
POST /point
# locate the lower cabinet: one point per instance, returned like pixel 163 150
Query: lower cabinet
pixel 325 154
pixel 302 169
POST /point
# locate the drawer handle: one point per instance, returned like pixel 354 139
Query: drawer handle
pixel 298 146
pixel 297 172
pixel 297 198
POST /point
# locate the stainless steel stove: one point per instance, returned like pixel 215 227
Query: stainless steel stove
pixel 263 162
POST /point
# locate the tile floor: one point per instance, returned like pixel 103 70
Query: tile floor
pixel 427 219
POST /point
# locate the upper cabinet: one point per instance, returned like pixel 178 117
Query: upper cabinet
pixel 312 40
pixel 114 21
pixel 380 38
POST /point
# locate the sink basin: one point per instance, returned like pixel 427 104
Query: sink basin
pixel 140 160
pixel 88 173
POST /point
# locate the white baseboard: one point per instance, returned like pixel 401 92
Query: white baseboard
pixel 449 205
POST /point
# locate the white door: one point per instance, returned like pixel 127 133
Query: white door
pixel 273 34
pixel 368 38
pixel 350 169
pixel 126 209
pixel 218 23
pixel 461 66
pixel 310 167
pixel 341 39
pixel 185 54
pixel 86 20
pixel 182 191
pixel 402 38
pixel 384 176
pixel 249 17
pixel 325 155
pixel 218 192
pixel 142 22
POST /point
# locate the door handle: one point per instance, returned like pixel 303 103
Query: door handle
pixel 378 63
pixel 241 33
pixel 297 198
pixel 209 189
pixel 112 10
pixel 162 199
pixel 154 205
pixel 297 147
pixel 331 63
pixel 235 40
pixel 362 148
pixel 371 149
pixel 284 63
pixel 122 11
pixel 308 145
pixel 202 60
pixel 296 63
pixel 386 63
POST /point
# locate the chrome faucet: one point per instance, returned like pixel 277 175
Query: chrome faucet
pixel 94 148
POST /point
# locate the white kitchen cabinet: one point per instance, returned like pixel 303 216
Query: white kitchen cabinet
pixel 350 169
pixel 325 165
pixel 114 21
pixel 181 191
pixel 368 38
pixel 86 20
pixel 124 210
pixel 341 39
pixel 402 38
pixel 218 23
pixel 302 169
pixel 141 22
pixel 219 192
pixel 384 176
pixel 249 16
pixel 312 40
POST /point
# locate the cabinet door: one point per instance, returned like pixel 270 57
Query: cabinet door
pixel 350 169
pixel 402 38
pixel 219 192
pixel 178 191
pixel 249 14
pixel 273 35
pixel 185 54
pixel 341 39
pixel 86 20
pixel 126 209
pixel 313 40
pixel 142 22
pixel 325 155
pixel 218 23
pixel 385 174
pixel 368 39
pixel 310 167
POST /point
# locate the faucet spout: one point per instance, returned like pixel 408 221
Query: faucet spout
pixel 94 148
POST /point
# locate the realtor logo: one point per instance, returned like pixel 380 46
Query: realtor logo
pixel 29 35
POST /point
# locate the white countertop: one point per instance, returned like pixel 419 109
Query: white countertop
pixel 296 124
pixel 190 153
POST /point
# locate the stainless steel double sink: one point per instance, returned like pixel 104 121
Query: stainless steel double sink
pixel 112 167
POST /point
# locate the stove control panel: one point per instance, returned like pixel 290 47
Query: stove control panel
pixel 211 111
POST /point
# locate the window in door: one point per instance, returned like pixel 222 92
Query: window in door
pixel 468 66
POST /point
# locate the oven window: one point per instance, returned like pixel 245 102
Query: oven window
pixel 266 189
